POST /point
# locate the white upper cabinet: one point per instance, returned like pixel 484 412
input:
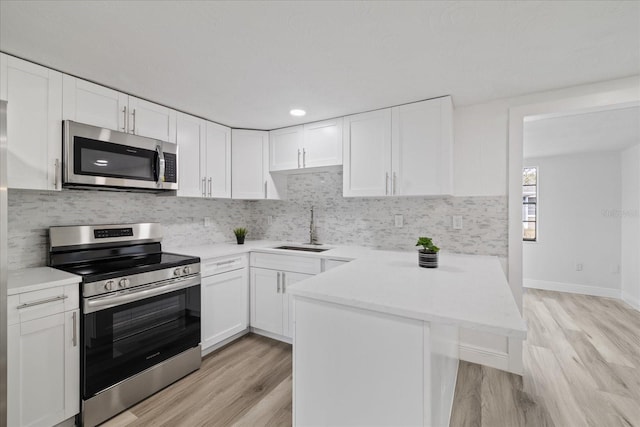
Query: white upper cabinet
pixel 190 134
pixel 367 154
pixel 322 144
pixel 204 157
pixel 151 120
pixel 215 162
pixel 285 148
pixel 422 148
pixel 400 151
pixel 34 123
pixel 308 146
pixel 250 177
pixel 96 105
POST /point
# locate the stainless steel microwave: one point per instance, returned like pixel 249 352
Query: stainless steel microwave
pixel 96 157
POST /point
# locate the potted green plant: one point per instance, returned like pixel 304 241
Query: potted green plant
pixel 240 233
pixel 428 256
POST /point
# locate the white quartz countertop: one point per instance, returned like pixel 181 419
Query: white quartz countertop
pixel 470 291
pixel 35 279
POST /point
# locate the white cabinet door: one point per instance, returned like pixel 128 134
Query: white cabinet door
pixel 267 300
pixel 422 148
pixel 96 105
pixel 224 306
pixel 151 120
pixel 322 144
pixel 289 279
pixel 34 123
pixel 43 370
pixel 217 160
pixel 367 154
pixel 285 148
pixel 247 164
pixel 190 134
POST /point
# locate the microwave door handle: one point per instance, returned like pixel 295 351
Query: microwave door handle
pixel 160 165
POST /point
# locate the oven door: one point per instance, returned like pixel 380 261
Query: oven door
pixel 123 339
pixel 102 157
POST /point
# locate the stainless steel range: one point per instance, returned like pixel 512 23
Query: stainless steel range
pixel 140 328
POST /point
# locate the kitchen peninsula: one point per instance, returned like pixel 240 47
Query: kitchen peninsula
pixel 375 339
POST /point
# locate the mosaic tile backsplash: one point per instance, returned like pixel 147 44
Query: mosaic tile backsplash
pixel 31 213
pixel 371 221
pixel 348 221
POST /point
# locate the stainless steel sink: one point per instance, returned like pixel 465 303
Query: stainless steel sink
pixel 302 248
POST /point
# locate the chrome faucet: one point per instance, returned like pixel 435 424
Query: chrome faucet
pixel 313 239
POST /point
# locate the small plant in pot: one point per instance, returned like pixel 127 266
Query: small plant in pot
pixel 427 257
pixel 240 233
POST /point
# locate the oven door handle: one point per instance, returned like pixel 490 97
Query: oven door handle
pixel 101 303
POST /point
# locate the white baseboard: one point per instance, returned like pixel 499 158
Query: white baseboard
pixel 272 335
pixel 633 302
pixel 572 288
pixel 206 351
pixel 484 356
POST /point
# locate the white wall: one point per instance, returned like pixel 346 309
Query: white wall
pixel 630 218
pixel 579 198
pixel 481 134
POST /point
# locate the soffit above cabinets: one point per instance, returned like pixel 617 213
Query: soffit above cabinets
pixel 246 64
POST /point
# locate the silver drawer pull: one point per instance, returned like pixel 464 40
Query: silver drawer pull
pixel 231 261
pixel 42 301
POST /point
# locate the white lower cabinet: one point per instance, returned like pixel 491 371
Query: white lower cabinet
pixel 43 357
pixel 271 305
pixel 225 300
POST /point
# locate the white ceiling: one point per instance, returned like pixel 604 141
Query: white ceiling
pixel 609 130
pixel 245 64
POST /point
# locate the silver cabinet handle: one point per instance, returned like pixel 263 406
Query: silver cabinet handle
pixel 231 261
pixel 75 329
pixel 298 158
pixel 133 128
pixel 304 157
pixel 210 185
pixel 42 301
pixel 386 183
pixel 56 173
pixel 283 283
pixel 394 181
pixel 204 187
pixel 278 288
pixel 124 119
pixel 265 189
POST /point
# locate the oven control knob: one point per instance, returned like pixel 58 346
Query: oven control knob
pixel 186 270
pixel 108 285
pixel 177 272
pixel 123 283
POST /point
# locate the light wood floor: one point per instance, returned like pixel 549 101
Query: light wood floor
pixel 581 363
pixel 581 358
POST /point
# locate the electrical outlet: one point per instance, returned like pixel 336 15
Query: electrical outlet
pixel 399 220
pixel 457 222
pixel 207 221
pixel 269 219
pixel 579 266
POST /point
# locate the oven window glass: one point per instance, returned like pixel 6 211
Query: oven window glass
pixel 99 158
pixel 122 341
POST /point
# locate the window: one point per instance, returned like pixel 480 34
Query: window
pixel 529 204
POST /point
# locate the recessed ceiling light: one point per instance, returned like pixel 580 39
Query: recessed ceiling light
pixel 297 112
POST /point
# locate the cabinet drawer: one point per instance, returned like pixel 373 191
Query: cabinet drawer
pixel 45 302
pixel 223 264
pixel 297 264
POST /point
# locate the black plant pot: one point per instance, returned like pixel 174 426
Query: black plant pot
pixel 428 259
pixel 240 240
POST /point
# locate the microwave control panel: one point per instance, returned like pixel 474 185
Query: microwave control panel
pixel 170 168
